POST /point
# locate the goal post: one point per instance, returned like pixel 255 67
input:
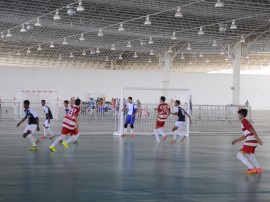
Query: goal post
pixel 147 100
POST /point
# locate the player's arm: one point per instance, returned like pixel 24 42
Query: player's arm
pixel 175 113
pixel 125 107
pixel 190 121
pixel 48 117
pixel 169 111
pixel 238 140
pixel 256 135
pixel 135 112
pixel 21 121
pixel 46 110
pixel 76 120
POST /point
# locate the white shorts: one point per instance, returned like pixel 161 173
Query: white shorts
pixel 47 124
pixel 31 127
pixel 179 124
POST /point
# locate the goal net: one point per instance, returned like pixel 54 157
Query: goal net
pixel 147 100
pixel 35 96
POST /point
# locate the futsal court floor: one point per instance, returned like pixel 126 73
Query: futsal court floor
pixel 108 168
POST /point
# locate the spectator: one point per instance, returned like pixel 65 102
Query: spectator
pixel 247 104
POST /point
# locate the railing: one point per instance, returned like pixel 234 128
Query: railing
pixel 206 118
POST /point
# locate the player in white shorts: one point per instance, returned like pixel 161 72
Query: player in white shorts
pixel 33 124
pixel 181 113
pixel 47 123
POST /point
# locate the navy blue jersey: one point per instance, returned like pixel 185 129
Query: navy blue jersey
pixel 181 113
pixel 31 115
pixel 47 110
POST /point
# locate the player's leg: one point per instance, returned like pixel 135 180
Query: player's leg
pixel 180 124
pixel 175 131
pixel 254 161
pixel 28 134
pixel 242 157
pixel 76 138
pixel 128 121
pixel 72 138
pixel 160 131
pixel 44 129
pixel 132 127
pixel 62 138
pixel 156 132
pixel 49 129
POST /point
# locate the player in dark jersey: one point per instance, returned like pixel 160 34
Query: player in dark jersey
pixel 33 124
pixel 181 114
pixel 47 123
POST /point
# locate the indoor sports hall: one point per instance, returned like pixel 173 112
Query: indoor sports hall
pixel 134 100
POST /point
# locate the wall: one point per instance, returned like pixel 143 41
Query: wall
pixel 205 88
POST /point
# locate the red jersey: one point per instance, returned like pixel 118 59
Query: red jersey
pixel 69 121
pixel 163 111
pixel 251 140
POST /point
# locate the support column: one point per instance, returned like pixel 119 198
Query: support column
pixel 166 73
pixel 236 75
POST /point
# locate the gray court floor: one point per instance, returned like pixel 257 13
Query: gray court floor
pixel 107 168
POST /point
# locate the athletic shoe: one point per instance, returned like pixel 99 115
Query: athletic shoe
pixel 65 144
pixel 164 137
pixel 37 141
pixel 157 141
pixel 33 148
pixel 172 140
pixel 251 171
pixel 183 138
pixel 75 142
pixel 123 135
pixel 258 170
pixel 43 137
pixel 131 136
pixel 52 148
pixel 51 137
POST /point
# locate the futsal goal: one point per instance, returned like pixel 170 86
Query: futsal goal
pixel 147 100
pixel 35 97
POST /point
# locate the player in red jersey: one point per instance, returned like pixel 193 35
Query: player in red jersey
pixel 246 153
pixel 69 126
pixel 163 111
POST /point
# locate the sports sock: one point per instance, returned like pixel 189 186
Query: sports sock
pixel 244 160
pixel 131 131
pixel 160 130
pixel 174 134
pixel 156 134
pixel 71 139
pixel 125 130
pixel 31 139
pixel 253 160
pixel 179 133
pixel 45 132
pixel 57 140
pixel 50 131
pixel 77 136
